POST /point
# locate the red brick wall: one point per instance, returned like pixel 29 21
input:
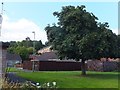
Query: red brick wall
pixel 98 65
pixel 19 65
pixel 27 65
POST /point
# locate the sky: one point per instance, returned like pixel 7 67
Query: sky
pixel 20 19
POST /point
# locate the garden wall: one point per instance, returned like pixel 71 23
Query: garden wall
pixel 27 65
pixel 98 65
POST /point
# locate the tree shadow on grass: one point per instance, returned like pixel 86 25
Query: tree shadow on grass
pixel 102 75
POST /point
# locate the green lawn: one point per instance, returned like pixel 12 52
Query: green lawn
pixel 72 79
pixel 12 69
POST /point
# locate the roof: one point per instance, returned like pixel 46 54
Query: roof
pixel 10 56
pixel 48 55
pixel 64 60
pixel 4 45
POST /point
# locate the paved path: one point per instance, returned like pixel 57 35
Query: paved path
pixel 14 78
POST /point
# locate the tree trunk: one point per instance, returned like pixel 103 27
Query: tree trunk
pixel 83 68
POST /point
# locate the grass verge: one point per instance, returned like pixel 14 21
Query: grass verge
pixel 73 79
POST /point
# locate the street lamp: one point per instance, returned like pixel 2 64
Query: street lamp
pixel 34 42
pixel 1 18
pixel 33 68
pixel 27 40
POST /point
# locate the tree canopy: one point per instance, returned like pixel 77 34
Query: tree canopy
pixel 79 35
pixel 25 47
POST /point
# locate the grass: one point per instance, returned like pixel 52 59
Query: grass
pixel 73 79
pixel 12 69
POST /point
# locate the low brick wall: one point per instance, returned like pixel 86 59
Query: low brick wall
pixel 27 65
pixel 110 66
pixel 98 65
pixel 19 65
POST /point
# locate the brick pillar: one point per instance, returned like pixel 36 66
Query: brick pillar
pixel 0 65
pixel 3 52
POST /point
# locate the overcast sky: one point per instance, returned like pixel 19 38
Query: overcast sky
pixel 21 18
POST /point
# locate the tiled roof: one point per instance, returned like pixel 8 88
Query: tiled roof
pixel 10 56
pixel 50 56
pixel 46 56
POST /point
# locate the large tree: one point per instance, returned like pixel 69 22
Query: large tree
pixel 118 48
pixel 22 51
pixel 79 36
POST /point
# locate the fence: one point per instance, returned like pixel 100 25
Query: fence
pixel 52 66
pixel 96 65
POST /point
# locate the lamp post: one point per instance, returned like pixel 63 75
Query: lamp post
pixel 33 68
pixel 27 40
pixel 1 18
pixel 3 52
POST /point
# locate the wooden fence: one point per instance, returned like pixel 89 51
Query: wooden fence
pixel 96 65
pixel 52 66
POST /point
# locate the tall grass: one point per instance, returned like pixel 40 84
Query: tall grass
pixel 26 85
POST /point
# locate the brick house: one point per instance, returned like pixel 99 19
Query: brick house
pixel 48 61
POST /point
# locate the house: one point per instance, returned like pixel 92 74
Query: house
pixel 48 61
pixel 46 56
pixel 12 59
pixel 49 56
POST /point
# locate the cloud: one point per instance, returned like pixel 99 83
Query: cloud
pixel 115 31
pixel 20 29
pixel 60 0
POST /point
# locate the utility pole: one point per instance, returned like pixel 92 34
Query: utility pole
pixel 33 68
